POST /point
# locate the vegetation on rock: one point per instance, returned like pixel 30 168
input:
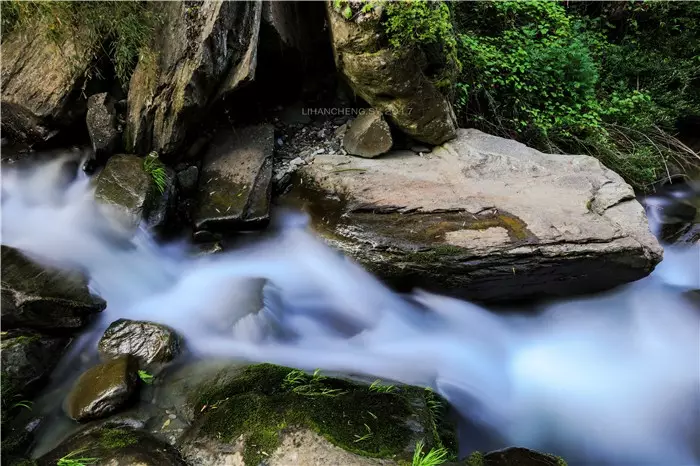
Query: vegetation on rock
pixel 264 399
pixel 119 29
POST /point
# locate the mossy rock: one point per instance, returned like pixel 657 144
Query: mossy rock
pixel 114 446
pixel 513 456
pixel 250 414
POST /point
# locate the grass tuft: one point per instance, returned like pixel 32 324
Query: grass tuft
pixel 72 459
pixel 434 457
pixel 145 377
pixel 378 387
pixel 154 167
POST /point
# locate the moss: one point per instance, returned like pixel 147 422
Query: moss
pixel 116 438
pixel 11 342
pixel 259 404
pixel 475 459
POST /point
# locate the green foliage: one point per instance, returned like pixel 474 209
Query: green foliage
pixel 378 387
pixel 145 377
pixel 426 26
pixel 155 168
pixel 72 459
pixel 119 29
pixel 26 404
pixel 434 457
pixel 556 80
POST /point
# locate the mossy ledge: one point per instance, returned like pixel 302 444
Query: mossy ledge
pixel 262 400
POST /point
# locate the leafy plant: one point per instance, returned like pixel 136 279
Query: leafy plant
pixel 146 377
pixel 155 168
pixel 434 457
pixel 555 79
pixel 72 459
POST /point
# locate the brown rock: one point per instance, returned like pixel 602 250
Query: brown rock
pixel 368 135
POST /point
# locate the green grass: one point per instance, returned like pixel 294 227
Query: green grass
pixel 434 457
pixel 117 29
pixel 146 377
pixel 304 384
pixel 154 167
pixel 22 404
pixel 72 459
pixel 378 387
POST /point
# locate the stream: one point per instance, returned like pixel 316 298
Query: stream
pixel 610 379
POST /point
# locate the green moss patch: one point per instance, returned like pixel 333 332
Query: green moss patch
pixel 264 399
pixel 116 438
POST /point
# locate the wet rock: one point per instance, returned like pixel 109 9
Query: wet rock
pixel 27 360
pixel 39 297
pixel 368 136
pixel 40 83
pixel 235 183
pixel 484 218
pixel 103 389
pixel 516 456
pixel 129 193
pixel 114 446
pixel 237 420
pixel 205 51
pixel 187 179
pixel 146 341
pixel 390 81
pixel 102 125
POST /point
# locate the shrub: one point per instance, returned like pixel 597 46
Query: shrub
pixel 535 72
pixel 118 29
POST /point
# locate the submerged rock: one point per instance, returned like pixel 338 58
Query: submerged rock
pixel 282 416
pixel 389 80
pixel 235 182
pixel 483 217
pixel 103 389
pixel 40 84
pixel 205 51
pixel 146 341
pixel 39 297
pixel 102 124
pixel 27 361
pixel 114 446
pixel 368 135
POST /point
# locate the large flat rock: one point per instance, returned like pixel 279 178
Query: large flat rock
pixel 482 217
pixel 234 186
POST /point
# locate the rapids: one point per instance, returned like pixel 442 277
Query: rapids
pixel 608 379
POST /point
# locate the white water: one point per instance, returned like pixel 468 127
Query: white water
pixel 613 379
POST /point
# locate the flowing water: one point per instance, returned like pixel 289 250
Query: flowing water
pixel 609 379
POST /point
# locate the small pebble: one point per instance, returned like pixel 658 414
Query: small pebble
pixel 280 141
pixel 172 416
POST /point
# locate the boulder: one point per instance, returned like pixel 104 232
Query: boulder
pixel 187 179
pixel 282 416
pixel 41 84
pixel 512 456
pixel 389 80
pixel 146 341
pixel 27 361
pixel 368 135
pixel 129 193
pixel 114 446
pixel 205 50
pixel 103 389
pixel 235 181
pixel 102 125
pixel 484 218
pixel 39 297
